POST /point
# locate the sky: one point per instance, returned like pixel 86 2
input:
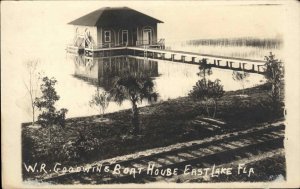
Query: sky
pixel 46 22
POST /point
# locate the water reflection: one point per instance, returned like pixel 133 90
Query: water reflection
pixel 103 71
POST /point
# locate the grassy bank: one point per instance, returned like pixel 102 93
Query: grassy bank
pixel 85 139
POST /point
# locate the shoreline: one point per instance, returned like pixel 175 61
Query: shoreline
pixel 227 93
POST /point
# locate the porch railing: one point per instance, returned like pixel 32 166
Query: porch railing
pixel 156 44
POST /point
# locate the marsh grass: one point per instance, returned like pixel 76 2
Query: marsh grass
pixel 245 41
pixel 247 47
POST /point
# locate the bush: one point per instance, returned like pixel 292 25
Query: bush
pixel 49 116
pixel 209 92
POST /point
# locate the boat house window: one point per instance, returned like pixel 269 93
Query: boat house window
pixel 107 36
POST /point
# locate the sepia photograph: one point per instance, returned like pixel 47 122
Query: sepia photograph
pixel 150 94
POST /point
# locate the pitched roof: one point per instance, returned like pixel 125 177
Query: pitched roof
pixel 108 16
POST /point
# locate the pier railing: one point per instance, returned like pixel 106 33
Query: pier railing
pixel 107 45
pixel 139 43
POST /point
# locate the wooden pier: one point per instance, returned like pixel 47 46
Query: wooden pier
pixel 248 65
pixel 223 62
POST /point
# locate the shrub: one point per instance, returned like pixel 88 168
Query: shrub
pixel 207 91
pixel 100 100
pixel 49 116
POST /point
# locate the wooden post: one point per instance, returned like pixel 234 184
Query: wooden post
pixel 230 64
pixel 218 63
pixel 162 56
pixel 244 66
pixel 227 63
pixel 172 57
pixel 193 59
pixel 258 68
pixel 253 67
pixel 240 65
pixel 182 58
pixel 215 62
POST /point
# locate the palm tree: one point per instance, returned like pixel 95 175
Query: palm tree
pixel 136 88
pixel 204 70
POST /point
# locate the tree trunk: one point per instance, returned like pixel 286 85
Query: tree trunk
pixel 135 118
pixel 33 112
pixel 50 134
pixel 207 108
pixel 215 110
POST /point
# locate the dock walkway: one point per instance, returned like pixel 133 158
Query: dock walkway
pixel 224 62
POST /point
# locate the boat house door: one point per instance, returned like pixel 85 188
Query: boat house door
pixel 147 36
pixel 125 37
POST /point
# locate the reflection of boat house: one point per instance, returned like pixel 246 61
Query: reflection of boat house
pixel 115 27
pixel 102 71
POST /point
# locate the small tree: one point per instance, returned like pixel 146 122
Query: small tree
pixel 100 100
pixel 241 77
pixel 31 84
pixel 204 69
pixel 207 91
pixel 46 102
pixel 135 88
pixel 274 74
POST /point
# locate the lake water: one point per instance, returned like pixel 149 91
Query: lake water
pixel 171 80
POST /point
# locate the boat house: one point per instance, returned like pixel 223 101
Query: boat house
pixel 122 31
pixel 115 27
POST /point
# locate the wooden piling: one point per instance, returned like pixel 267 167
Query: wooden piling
pixel 172 57
pixel 193 59
pixel 182 58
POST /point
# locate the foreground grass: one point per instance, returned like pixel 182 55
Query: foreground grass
pixel 85 140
